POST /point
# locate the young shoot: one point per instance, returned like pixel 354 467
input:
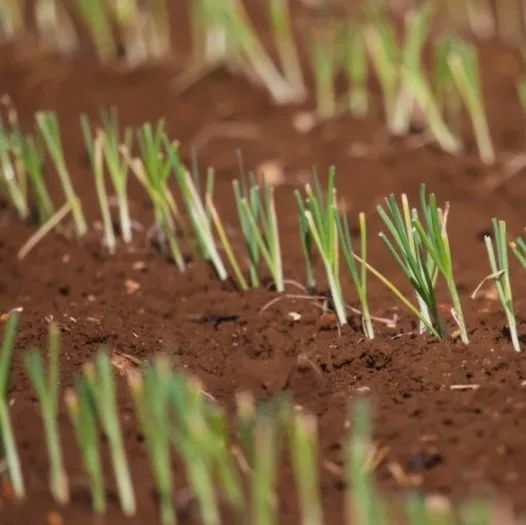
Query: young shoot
pixel 417 25
pixel 95 15
pixel 358 274
pixel 259 225
pixel 150 392
pixel 264 470
pixel 10 181
pixel 463 64
pixel 355 65
pixel 519 249
pixel 384 53
pixel 153 171
pixel 433 234
pixel 159 28
pixel 280 17
pixel 304 451
pixel 116 163
pixel 7 437
pixel 363 501
pixel 322 51
pixel 12 17
pixel 99 378
pixel 55 26
pixel 410 253
pixel 317 212
pixel 197 212
pixel 32 164
pixel 49 128
pixel 46 385
pixel 500 275
pixel 94 147
pixel 84 422
pixel 246 48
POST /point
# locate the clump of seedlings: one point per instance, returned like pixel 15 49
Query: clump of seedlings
pixel 259 225
pixel 46 384
pixel 421 250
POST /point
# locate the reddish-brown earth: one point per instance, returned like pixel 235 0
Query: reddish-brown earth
pixel 455 442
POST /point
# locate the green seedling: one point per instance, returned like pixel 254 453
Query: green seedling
pixel 280 18
pixel 196 209
pixel 358 272
pixel 463 64
pixel 99 378
pixel 500 275
pixel 259 225
pixel 6 429
pixel 519 249
pixel 49 128
pixel 153 171
pixel 317 212
pixel 364 503
pixel 46 385
pixel 150 392
pixel 95 154
pixel 355 65
pixel 83 419
pixel 304 451
pixel 95 16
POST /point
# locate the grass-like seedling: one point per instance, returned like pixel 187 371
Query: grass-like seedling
pixel 423 249
pixel 95 16
pixel 227 246
pixel 259 226
pixel 358 274
pixel 384 53
pixel 192 438
pixel 323 57
pixel 317 212
pixel 99 377
pixel 159 33
pixel 447 95
pixel 417 26
pixel 246 49
pixel 433 234
pixel 197 211
pixel 6 429
pixel 304 451
pixel 12 17
pixel 500 275
pixel 49 128
pixel 464 68
pixel 363 502
pixel 116 163
pixel 31 163
pixel 150 392
pixel 280 17
pixel 46 385
pixel 153 171
pixel 518 247
pixel 94 147
pixel 83 419
pixel 355 65
pixel 10 181
pixel 55 26
pixel 264 470
pixel 409 252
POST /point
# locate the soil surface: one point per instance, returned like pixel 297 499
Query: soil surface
pixel 438 438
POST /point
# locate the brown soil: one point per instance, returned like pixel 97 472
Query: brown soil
pixel 450 441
